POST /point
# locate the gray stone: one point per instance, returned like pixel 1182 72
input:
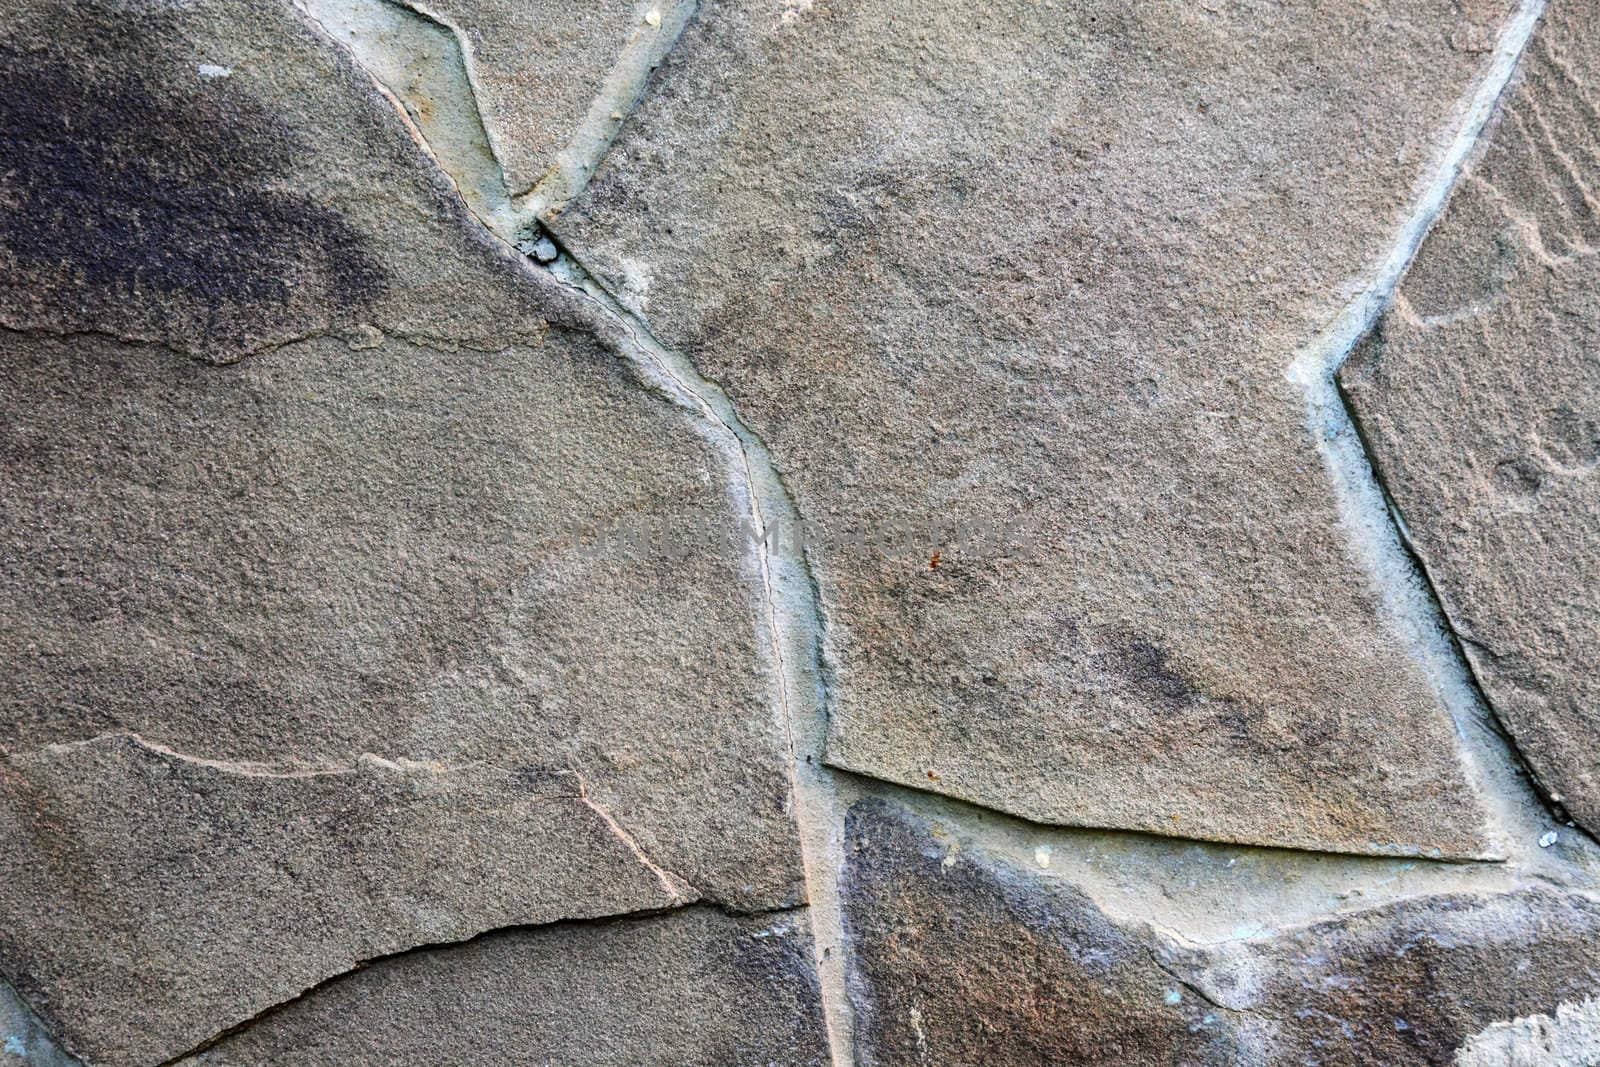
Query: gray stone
pixel 1410 982
pixel 202 893
pixel 1010 293
pixel 696 988
pixel 1479 394
pixel 957 960
pixel 540 68
pixel 962 958
pixel 1569 1038
pixel 333 529
pixel 24 1042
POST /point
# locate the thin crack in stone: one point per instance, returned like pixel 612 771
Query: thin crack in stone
pixel 150 342
pixel 643 914
pixel 679 890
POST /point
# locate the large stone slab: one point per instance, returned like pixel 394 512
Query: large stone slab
pixel 1010 292
pixel 541 68
pixel 957 960
pixel 697 988
pixel 1479 394
pixel 960 957
pixel 356 593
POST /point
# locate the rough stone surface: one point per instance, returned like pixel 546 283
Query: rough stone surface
pixel 303 470
pixel 1010 294
pixel 1480 395
pixel 23 1040
pixel 1569 1039
pixel 1410 982
pixel 960 961
pixel 538 67
pixel 179 871
pixel 696 988
pixel 826 550
pixel 964 959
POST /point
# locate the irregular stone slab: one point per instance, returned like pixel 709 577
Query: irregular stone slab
pixel 23 1041
pixel 962 958
pixel 1010 291
pixel 697 988
pixel 1479 394
pixel 957 960
pixel 1411 982
pixel 212 891
pixel 302 467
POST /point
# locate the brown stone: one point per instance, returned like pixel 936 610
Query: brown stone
pixel 1017 288
pixel 1479 394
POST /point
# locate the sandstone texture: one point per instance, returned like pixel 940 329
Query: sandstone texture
pixel 1010 295
pixel 317 641
pixel 1480 395
pixel 749 533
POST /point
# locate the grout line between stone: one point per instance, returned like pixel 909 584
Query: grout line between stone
pixel 1408 608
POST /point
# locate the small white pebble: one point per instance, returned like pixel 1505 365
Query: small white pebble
pixel 1548 838
pixel 653 16
pixel 1174 997
pixel 1041 855
pixel 211 70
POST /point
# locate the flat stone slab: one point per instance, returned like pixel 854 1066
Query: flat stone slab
pixel 149 897
pixel 357 593
pixel 1010 293
pixel 1479 394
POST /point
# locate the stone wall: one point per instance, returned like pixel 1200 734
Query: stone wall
pixel 760 532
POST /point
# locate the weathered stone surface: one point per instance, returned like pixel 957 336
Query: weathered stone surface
pixel 1014 290
pixel 23 1041
pixel 963 959
pixel 303 470
pixel 181 873
pixel 1570 1038
pixel 539 68
pixel 392 676
pixel 1411 982
pixel 696 988
pixel 1480 396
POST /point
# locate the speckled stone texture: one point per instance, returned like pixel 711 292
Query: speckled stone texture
pixel 799 533
pixel 1480 395
pixel 1017 286
pixel 317 647
pixel 962 959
